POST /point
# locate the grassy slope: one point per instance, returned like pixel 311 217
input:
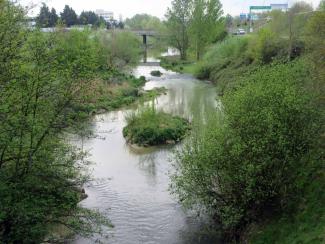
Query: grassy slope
pixel 224 65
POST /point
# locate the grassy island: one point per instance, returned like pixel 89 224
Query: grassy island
pixel 150 127
pixel 156 73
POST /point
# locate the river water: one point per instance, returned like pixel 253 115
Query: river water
pixel 131 185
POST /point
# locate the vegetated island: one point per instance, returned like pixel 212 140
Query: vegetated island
pixel 149 127
pixel 156 73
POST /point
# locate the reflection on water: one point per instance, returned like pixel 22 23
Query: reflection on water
pixel 131 186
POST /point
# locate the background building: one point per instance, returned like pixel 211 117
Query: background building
pixel 107 15
pixel 283 7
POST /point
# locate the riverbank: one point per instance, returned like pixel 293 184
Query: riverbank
pixel 117 91
pixel 174 63
pixel 249 76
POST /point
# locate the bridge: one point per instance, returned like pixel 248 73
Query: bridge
pixel 145 34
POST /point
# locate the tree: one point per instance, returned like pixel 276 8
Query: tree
pixel 53 18
pixel 144 22
pixel 42 77
pixel 229 21
pixel 297 17
pixel 205 25
pixel 122 49
pixel 322 5
pixel 120 25
pixel 197 29
pixel 43 19
pixel 69 16
pixel 90 18
pixel 178 22
pixel 314 37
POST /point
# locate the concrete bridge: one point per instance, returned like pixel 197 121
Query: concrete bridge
pixel 145 34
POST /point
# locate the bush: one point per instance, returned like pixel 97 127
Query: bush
pixel 149 127
pixel 267 46
pixel 254 158
pixel 223 58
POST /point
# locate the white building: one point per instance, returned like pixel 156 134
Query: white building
pixel 280 6
pixel 107 15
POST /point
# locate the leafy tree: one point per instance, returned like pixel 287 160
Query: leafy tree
pixel 178 22
pixel 43 19
pixel 144 22
pixel 121 25
pixel 321 5
pixel 229 21
pixel 297 18
pixel 69 16
pixel 205 25
pixel 89 18
pixel 53 19
pixel 314 37
pixel 42 77
pixel 123 49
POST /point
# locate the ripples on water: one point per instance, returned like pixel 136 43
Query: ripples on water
pixel 131 185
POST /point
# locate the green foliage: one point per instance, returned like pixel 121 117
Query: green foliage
pixel 149 127
pixel 321 5
pixel 117 50
pixel 125 49
pixel 47 18
pixel 206 24
pixel 226 61
pixel 157 44
pixel 45 80
pixel 181 66
pixel 43 19
pixel 69 16
pixel 53 19
pixel 11 37
pixel 267 46
pixel 258 155
pixel 304 225
pixel 91 18
pixel 284 37
pixel 194 24
pixel 178 22
pixel 315 45
pixel 156 73
pixel 144 22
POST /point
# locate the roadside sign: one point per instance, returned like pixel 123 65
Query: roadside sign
pixel 260 7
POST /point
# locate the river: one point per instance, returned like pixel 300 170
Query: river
pixel 131 185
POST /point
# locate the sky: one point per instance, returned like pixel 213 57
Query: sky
pixel 128 8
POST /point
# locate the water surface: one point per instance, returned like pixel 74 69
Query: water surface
pixel 131 185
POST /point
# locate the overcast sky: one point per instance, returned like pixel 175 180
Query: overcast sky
pixel 128 8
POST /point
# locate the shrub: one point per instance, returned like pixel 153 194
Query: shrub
pixel 266 46
pixel 222 56
pixel 255 157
